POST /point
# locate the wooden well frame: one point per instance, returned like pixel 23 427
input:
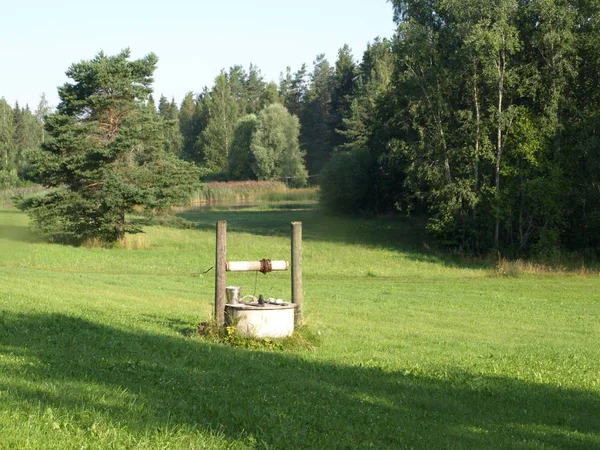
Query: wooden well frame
pixel 221 268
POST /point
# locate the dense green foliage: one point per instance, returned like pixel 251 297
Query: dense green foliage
pixel 241 160
pixel 21 132
pixel 275 146
pixel 214 141
pixel 267 147
pixel 345 181
pixel 97 348
pixel 481 115
pixel 104 154
pixel 488 123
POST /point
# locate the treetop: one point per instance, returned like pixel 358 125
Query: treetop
pixel 106 82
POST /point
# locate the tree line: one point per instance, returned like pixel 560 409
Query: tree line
pixel 220 128
pixel 108 147
pixel 21 132
pixel 224 129
pixel 489 125
pixel 482 116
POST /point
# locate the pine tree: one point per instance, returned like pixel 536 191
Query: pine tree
pixel 7 130
pixel 237 79
pixel 215 140
pixel 373 77
pixel 169 114
pixel 269 96
pixel 27 138
pixel 293 90
pixel 164 109
pixel 285 85
pixel 188 126
pixel 151 104
pixel 104 154
pixel 255 86
pixel 343 92
pixel 317 133
pixel 42 110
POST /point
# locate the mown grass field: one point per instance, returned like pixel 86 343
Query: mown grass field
pixel 98 350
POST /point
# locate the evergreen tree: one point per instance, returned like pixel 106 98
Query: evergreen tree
pixel 293 90
pixel 27 138
pixel 269 96
pixel 188 126
pixel 20 138
pixel 343 92
pixel 360 177
pixel 42 110
pixel 7 130
pixel 169 114
pixel 255 87
pixel 167 110
pixel 222 112
pixel 285 85
pixel 373 82
pixel 151 104
pixel 237 78
pixel 105 154
pixel 317 133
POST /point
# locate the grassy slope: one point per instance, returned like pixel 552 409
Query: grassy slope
pixel 96 346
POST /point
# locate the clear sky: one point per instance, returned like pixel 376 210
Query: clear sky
pixel 194 40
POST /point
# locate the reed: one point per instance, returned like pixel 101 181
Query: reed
pixel 7 195
pixel 250 191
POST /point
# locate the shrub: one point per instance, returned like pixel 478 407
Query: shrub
pixel 348 182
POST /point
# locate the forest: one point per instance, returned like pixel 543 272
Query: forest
pixel 482 117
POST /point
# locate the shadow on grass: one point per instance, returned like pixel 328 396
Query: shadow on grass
pixel 19 233
pixel 393 231
pixel 145 382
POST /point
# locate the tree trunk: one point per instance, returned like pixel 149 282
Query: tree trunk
pixel 501 66
pixel 522 206
pixel 476 161
pixel 447 172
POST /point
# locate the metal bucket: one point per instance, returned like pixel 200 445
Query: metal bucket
pixel 233 294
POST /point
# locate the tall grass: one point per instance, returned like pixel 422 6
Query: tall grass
pixel 562 265
pixel 251 191
pixel 290 195
pixel 6 195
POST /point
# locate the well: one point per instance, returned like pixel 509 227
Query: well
pixel 268 320
pixel 258 320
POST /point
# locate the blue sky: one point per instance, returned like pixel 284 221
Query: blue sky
pixel 194 40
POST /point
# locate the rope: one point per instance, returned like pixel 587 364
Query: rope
pixel 265 266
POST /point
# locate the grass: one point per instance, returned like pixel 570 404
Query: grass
pixel 257 192
pixel 98 349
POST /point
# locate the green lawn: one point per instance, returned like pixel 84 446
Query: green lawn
pixel 97 347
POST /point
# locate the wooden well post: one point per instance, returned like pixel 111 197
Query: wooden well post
pixel 222 266
pixel 297 270
pixel 220 272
